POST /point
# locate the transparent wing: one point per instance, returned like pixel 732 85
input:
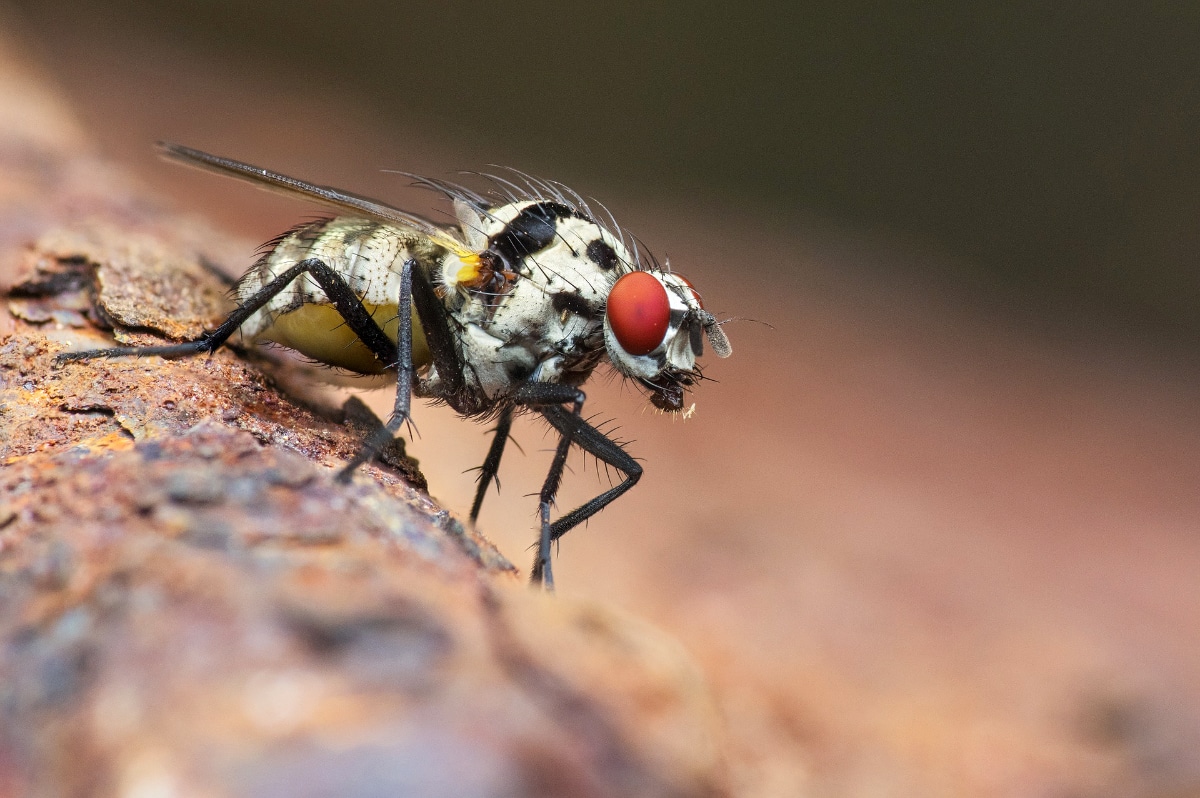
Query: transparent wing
pixel 324 195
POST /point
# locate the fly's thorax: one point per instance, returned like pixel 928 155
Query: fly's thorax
pixel 532 240
pixel 368 255
pixel 530 302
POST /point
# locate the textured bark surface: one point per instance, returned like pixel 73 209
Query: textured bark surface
pixel 190 605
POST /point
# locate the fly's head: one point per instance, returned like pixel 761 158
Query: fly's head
pixel 654 330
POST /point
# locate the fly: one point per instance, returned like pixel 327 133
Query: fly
pixel 509 311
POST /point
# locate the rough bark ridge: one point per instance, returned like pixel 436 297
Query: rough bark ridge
pixel 189 605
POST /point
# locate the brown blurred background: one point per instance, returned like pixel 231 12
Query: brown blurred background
pixel 936 532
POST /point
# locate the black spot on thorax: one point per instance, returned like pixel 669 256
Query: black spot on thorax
pixel 573 302
pixel 602 255
pixel 531 230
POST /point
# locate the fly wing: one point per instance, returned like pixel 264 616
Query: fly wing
pixel 324 195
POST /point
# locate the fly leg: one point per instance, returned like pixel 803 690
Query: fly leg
pixel 404 378
pixel 604 449
pixel 339 292
pixel 550 399
pixel 491 463
pixel 415 291
pixel 348 306
pixel 447 359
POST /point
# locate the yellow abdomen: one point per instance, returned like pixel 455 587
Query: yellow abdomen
pixel 319 332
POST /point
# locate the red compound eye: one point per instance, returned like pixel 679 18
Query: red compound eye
pixel 639 312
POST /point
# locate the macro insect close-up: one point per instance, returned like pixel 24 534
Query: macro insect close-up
pixel 512 310
pixel 932 532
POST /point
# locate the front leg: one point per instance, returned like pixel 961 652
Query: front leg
pixel 550 398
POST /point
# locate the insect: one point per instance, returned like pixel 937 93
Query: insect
pixel 509 311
